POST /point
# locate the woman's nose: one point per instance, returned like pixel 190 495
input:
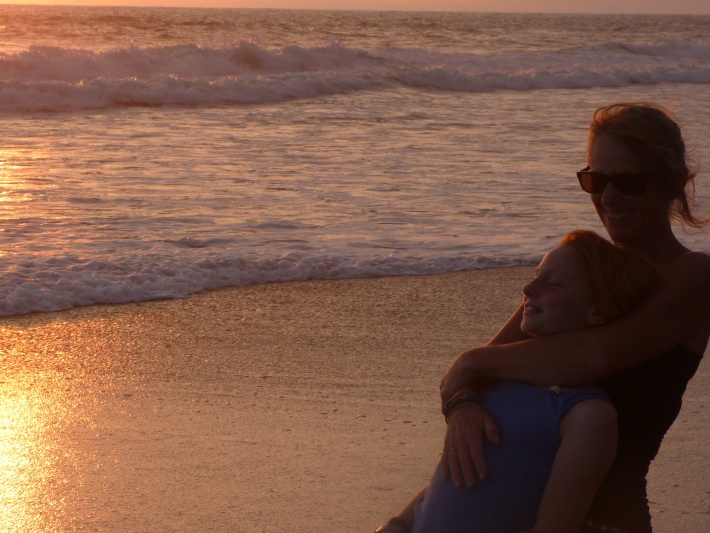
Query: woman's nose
pixel 610 195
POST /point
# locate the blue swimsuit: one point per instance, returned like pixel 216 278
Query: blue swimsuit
pixel 528 418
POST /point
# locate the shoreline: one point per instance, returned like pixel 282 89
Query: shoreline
pixel 277 407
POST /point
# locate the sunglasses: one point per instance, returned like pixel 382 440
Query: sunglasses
pixel 626 183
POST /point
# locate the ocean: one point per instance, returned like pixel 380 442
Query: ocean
pixel 155 153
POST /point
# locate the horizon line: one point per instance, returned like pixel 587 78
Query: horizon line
pixel 393 10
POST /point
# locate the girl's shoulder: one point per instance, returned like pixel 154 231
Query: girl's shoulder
pixel 595 414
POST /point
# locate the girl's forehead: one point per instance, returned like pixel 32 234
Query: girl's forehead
pixel 562 259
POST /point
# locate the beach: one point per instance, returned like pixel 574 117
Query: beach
pixel 240 247
pixel 303 406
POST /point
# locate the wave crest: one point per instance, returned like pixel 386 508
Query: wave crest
pixel 46 78
pixel 67 282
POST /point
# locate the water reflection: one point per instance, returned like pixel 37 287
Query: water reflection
pixel 42 400
pixel 30 424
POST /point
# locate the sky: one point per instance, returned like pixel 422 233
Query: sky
pixel 555 6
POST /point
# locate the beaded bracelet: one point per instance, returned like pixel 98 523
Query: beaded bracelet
pixel 466 398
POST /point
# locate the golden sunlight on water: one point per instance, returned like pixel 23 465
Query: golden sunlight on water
pixel 44 397
pixel 83 443
pixel 31 416
pixel 15 191
pixel 224 409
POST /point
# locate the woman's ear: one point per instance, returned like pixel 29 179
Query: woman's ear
pixel 594 318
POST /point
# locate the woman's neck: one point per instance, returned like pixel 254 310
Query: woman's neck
pixel 662 248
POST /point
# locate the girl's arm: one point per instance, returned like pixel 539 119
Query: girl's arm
pixel 677 313
pixel 587 448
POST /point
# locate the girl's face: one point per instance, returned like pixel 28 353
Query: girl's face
pixel 560 298
pixel 633 221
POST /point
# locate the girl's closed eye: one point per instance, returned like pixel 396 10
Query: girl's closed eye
pixel 560 298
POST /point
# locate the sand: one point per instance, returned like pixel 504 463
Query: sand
pixel 276 408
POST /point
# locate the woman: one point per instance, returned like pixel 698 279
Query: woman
pixel 559 443
pixel 639 181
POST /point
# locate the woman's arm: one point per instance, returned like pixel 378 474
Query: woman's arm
pixel 677 313
pixel 587 448
pixel 509 333
pixel 480 426
pixel 463 458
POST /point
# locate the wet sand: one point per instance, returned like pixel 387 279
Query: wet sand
pixel 275 408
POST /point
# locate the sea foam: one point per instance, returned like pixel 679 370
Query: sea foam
pixel 47 78
pixel 66 282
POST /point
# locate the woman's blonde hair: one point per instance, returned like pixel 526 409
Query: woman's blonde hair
pixel 621 279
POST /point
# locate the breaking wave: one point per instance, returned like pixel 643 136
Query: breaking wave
pixel 47 78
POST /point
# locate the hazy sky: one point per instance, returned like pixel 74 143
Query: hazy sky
pixel 561 6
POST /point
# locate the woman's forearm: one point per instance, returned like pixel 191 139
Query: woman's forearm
pixel 532 361
pixel 677 314
pixel 536 361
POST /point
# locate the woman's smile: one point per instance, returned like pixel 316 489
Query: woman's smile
pixel 628 218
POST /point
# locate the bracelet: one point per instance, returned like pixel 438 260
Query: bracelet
pixel 467 398
pixel 395 525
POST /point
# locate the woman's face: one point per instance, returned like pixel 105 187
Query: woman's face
pixel 560 298
pixel 633 221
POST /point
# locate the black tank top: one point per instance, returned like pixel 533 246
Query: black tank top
pixel 647 398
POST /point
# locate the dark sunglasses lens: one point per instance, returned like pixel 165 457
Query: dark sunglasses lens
pixel 630 184
pixel 591 183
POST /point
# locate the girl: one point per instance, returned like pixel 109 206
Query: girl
pixel 557 444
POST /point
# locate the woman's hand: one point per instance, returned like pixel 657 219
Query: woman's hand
pixel 463 459
pixel 456 378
